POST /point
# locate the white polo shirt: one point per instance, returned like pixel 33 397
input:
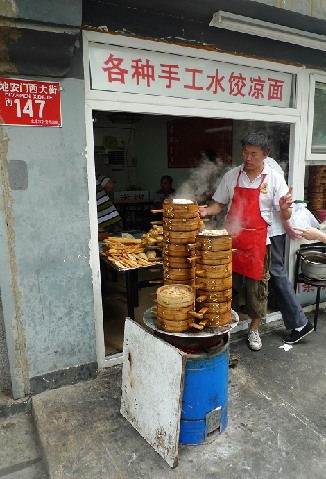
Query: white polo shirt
pixel 274 188
pixel 276 228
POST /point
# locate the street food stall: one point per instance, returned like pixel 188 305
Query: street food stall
pixel 193 314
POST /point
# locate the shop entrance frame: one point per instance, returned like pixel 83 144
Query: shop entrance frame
pixel 160 105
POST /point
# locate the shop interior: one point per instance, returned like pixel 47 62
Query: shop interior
pixel 135 151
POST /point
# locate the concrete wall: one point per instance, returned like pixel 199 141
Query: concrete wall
pixel 45 275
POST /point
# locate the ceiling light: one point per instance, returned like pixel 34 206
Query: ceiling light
pixel 251 26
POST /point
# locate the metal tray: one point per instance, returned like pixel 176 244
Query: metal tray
pixel 193 339
pixel 114 266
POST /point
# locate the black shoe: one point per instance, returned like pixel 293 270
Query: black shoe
pixel 295 335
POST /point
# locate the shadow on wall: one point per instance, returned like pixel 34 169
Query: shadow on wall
pixel 5 378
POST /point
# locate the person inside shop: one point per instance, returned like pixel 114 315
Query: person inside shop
pixel 286 298
pixel 107 215
pixel 164 192
pixel 250 192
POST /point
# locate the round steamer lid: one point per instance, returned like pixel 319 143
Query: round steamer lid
pixel 176 291
pixel 182 201
pixel 212 233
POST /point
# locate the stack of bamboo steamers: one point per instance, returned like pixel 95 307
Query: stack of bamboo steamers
pixel 214 275
pixel 180 226
pixel 193 261
pixel 317 188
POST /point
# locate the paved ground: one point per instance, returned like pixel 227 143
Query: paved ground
pixel 20 451
pixel 276 423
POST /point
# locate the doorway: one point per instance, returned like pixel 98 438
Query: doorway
pixel 135 151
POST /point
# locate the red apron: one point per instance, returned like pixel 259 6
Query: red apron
pixel 249 231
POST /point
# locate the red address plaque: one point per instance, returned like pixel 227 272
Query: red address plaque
pixel 30 103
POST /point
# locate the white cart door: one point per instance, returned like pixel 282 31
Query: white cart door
pixel 152 387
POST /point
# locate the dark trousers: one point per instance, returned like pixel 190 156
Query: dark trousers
pixel 286 298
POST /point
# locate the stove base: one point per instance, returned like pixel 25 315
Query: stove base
pixel 205 396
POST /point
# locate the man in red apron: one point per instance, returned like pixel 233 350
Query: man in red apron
pixel 251 191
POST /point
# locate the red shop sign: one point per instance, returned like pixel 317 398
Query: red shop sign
pixel 31 103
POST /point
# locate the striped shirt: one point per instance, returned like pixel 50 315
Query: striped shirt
pixel 106 211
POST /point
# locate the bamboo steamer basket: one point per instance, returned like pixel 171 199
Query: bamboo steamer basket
pixel 176 295
pixel 179 273
pixel 315 195
pixel 208 284
pixel 180 225
pixel 179 237
pixel 316 169
pixel 212 262
pixel 316 188
pixel 171 213
pixel 218 319
pixel 215 307
pixel 317 205
pixel 184 207
pixel 178 250
pixel 190 282
pixel 213 243
pixel 175 262
pixel 214 255
pixel 317 179
pixel 174 314
pixel 216 296
pixel 170 327
pixel 217 271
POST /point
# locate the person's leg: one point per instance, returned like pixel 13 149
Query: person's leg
pixel 238 296
pixel 256 301
pixel 286 298
pixel 254 324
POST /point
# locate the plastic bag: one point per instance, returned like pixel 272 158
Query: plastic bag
pixel 303 218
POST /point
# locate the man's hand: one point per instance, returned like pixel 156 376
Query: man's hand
pixel 286 200
pixel 285 203
pixel 202 211
pixel 211 210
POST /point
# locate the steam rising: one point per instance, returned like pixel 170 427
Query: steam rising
pixel 201 186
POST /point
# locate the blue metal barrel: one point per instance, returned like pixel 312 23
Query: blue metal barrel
pixel 205 396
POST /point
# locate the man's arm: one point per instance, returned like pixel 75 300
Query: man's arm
pixel 211 210
pixel 290 231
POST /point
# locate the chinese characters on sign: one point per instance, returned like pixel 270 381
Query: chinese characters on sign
pixel 130 195
pixel 132 70
pixel 134 196
pixel 31 103
pixel 306 288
